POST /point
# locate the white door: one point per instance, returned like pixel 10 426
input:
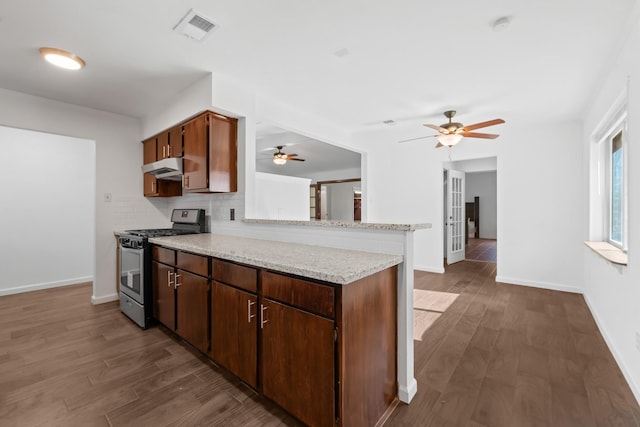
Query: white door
pixel 455 221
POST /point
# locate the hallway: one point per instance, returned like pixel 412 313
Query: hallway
pixel 481 250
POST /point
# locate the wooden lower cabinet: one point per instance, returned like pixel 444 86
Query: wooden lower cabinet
pixel 180 297
pixel 325 353
pixel 298 362
pixel 164 297
pixel 192 311
pixel 234 331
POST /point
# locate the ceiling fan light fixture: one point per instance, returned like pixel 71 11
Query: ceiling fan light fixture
pixel 279 159
pixel 62 58
pixel 449 140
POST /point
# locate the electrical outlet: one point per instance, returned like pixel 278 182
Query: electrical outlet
pixel 232 214
pixel 107 197
pixel 638 341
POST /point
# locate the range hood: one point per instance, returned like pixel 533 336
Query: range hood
pixel 170 168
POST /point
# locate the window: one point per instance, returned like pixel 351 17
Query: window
pixel 609 187
pixel 616 193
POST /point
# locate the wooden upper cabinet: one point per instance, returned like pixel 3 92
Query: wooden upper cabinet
pixel 153 187
pixel 210 152
pixel 195 160
pixel 169 143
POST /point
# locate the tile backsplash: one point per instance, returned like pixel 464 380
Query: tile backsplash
pixel 133 212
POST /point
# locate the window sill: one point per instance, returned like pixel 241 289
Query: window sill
pixel 609 252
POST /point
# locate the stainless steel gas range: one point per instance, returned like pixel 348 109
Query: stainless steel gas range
pixel 136 299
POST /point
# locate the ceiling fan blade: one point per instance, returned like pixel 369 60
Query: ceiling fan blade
pixel 420 137
pixel 483 124
pixel 480 135
pixel 439 144
pixel 297 160
pixel 291 155
pixel 438 128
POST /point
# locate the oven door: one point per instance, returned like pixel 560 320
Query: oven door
pixel 132 273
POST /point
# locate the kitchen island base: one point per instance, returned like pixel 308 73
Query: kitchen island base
pixel 324 352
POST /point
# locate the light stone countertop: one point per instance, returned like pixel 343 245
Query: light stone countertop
pixel 341 224
pixel 340 266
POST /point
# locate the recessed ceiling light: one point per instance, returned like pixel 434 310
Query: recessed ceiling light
pixel 341 52
pixel 501 24
pixel 62 58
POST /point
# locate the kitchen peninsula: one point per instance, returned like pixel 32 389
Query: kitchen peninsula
pixel 312 328
pixel 385 238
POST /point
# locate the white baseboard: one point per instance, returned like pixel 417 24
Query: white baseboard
pixel 616 355
pixel 47 285
pixel 104 298
pixel 429 269
pixel 542 285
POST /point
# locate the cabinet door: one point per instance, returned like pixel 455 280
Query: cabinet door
pixel 150 185
pixel 223 151
pixel 149 154
pixel 162 146
pixel 234 331
pixel 164 299
pixel 195 160
pixel 192 312
pixel 175 142
pixel 298 362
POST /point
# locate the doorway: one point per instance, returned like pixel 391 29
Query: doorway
pixel 480 207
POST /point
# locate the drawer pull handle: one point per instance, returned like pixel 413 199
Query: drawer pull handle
pixel 249 315
pixel 169 284
pixel 262 319
pixel 176 284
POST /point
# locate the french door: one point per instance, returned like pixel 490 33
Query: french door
pixel 455 222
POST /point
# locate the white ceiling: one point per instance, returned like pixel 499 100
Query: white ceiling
pixel 407 61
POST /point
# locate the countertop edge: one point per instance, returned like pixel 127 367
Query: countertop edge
pixel 326 275
pixel 341 224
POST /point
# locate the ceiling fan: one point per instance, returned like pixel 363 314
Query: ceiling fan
pixel 280 158
pixel 449 134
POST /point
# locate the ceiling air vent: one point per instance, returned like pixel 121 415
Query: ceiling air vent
pixel 195 26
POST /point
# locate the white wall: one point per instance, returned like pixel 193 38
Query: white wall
pixel 484 185
pixel 281 197
pixel 118 156
pixel 613 293
pixel 534 247
pixel 47 183
pixel 340 200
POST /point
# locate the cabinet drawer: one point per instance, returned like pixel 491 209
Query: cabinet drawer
pixel 235 275
pixel 196 264
pixel 164 255
pixel 310 296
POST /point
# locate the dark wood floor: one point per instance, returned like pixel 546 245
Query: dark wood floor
pixel 494 355
pixel 481 250
pixel 65 362
pixel 505 355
